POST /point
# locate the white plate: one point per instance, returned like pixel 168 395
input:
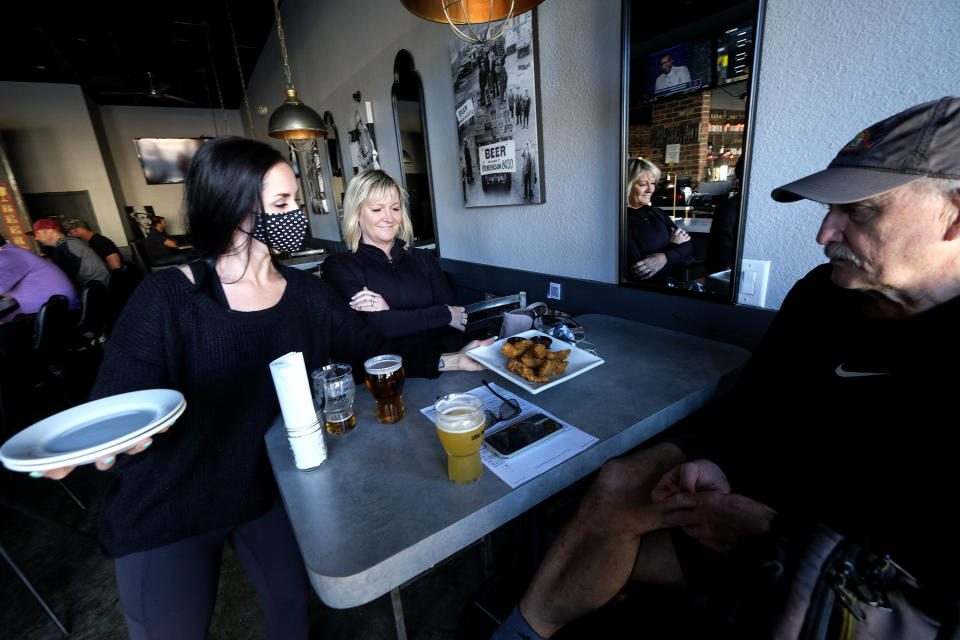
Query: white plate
pixel 578 362
pixel 92 430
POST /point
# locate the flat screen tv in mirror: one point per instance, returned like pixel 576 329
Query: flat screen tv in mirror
pixel 165 160
pixel 682 68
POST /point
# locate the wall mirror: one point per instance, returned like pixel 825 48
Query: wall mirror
pixel 688 73
pixel 411 128
pixel 334 170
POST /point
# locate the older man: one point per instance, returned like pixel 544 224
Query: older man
pixel 72 255
pixel 841 416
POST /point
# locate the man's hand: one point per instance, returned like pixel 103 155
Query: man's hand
pixel 717 520
pixel 696 496
pixel 691 477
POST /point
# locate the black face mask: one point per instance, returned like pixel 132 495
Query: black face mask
pixel 282 232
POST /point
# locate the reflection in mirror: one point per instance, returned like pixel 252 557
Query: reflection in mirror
pixel 687 77
pixel 410 123
pixel 334 170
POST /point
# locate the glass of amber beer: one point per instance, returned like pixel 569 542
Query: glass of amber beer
pixel 460 424
pixel 333 390
pixel 385 381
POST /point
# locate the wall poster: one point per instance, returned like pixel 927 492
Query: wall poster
pixel 497 107
pixel 363 142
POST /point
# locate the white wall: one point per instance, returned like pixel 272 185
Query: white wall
pixel 333 54
pixel 828 70
pixel 53 146
pixel 123 124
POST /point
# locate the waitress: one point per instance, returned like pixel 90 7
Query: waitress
pixel 210 329
pixel 399 290
pixel 657 249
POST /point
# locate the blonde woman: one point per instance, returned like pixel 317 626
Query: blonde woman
pixel 399 290
pixel 656 248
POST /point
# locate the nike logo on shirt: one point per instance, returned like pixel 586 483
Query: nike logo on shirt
pixel 844 373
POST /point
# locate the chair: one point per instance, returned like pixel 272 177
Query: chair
pixel 488 314
pixel 52 328
pixel 94 314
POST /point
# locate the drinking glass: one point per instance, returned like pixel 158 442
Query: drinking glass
pixel 334 390
pixel 460 424
pixel 385 377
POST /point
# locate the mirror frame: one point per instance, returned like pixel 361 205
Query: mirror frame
pixel 405 58
pixel 749 123
pixel 330 124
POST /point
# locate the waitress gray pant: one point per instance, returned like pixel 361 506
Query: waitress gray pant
pixel 170 591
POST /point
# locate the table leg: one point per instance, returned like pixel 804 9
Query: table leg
pixel 398 614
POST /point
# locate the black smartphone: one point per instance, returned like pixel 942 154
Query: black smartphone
pixel 511 440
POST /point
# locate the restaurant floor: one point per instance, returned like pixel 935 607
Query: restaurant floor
pixel 52 541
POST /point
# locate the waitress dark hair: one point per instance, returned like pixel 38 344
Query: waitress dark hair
pixel 224 184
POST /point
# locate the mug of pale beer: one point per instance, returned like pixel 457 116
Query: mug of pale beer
pixel 333 390
pixel 385 381
pixel 460 423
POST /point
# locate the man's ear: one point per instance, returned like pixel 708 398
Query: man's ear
pixel 952 231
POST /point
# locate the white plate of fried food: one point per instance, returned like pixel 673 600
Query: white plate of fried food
pixel 534 360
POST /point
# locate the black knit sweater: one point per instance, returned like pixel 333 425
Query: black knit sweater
pixel 210 470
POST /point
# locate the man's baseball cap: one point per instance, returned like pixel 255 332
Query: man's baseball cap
pixel 921 142
pixel 45 223
pixel 74 223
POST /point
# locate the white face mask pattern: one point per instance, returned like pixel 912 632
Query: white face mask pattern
pixel 282 232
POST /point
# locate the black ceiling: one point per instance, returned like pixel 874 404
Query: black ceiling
pixel 112 48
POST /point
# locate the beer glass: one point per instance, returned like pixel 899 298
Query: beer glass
pixel 385 380
pixel 460 424
pixel 333 389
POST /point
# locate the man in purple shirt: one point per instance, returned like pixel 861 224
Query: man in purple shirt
pixel 31 280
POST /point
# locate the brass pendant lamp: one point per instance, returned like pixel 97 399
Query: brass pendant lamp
pixel 293 121
pixel 471 13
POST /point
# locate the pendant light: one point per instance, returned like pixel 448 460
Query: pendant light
pixel 293 121
pixel 471 13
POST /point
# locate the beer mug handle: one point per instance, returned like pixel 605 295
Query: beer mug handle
pixel 319 398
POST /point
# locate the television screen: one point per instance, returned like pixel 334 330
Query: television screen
pixel 165 160
pixel 734 54
pixel 679 69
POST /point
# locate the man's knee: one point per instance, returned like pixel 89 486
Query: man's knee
pixel 630 478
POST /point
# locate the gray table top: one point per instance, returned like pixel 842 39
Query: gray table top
pixel 381 509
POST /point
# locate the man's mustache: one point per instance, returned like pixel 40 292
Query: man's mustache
pixel 835 250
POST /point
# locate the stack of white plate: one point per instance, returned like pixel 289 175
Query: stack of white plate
pixel 92 430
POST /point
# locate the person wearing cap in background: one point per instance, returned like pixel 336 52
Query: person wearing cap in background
pixel 103 246
pixel 72 255
pixel 841 417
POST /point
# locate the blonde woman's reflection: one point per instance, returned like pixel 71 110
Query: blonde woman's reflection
pixel 657 249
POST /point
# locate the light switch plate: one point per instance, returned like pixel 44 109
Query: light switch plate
pixel 753 282
pixel 555 291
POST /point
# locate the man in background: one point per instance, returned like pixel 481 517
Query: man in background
pixel 31 280
pixel 672 76
pixel 158 244
pixel 72 255
pixel 104 247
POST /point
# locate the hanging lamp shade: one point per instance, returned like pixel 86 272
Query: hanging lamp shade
pixel 294 120
pixel 467 11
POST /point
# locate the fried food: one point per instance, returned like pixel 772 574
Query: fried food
pixel 516 349
pixel 524 371
pixel 537 351
pixel 552 368
pixel 533 360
